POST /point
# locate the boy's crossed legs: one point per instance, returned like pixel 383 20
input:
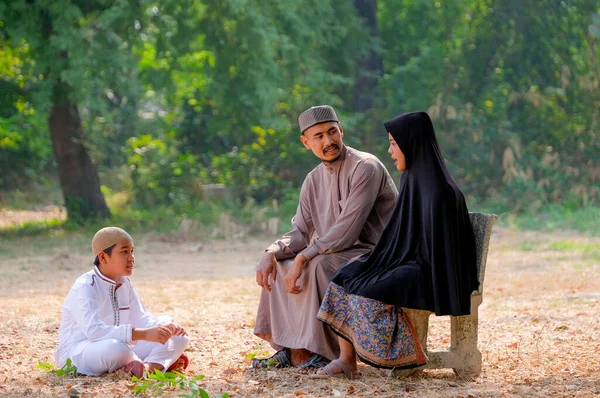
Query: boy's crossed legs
pixel 110 355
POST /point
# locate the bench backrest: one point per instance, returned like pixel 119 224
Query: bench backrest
pixel 482 228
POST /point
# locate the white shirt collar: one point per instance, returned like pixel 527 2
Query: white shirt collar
pixel 103 277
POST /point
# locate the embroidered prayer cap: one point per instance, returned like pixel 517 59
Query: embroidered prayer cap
pixel 316 115
pixel 107 237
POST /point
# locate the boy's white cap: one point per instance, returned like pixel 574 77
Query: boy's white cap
pixel 107 237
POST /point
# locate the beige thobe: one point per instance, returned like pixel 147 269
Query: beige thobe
pixel 347 204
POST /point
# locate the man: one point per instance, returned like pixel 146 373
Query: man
pixel 346 200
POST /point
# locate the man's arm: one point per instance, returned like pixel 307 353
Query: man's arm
pixel 291 243
pixel 365 184
pixel 302 228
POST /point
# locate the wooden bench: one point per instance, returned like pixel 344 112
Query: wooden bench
pixel 463 356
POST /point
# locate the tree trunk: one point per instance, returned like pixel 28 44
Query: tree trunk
pixel 78 177
pixel 370 66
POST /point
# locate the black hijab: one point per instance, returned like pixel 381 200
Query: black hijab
pixel 425 258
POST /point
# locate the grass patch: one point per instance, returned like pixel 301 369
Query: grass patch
pixel 573 246
pixel 32 228
pixel 527 246
pixel 197 221
pixel 549 218
pixel 589 251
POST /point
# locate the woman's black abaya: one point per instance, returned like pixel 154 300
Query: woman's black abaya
pixel 425 258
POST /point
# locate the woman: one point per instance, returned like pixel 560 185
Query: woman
pixel 425 259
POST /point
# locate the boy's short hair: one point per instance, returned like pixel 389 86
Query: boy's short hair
pixel 108 251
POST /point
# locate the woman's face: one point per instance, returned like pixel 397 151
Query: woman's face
pixel 396 154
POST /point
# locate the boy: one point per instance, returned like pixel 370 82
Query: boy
pixel 104 325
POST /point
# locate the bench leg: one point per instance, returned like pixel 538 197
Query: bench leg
pixel 467 358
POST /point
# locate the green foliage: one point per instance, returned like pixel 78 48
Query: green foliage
pixel 160 174
pixel 180 93
pixel 262 170
pixel 503 87
pixel 554 217
pixel 68 370
pixel 158 382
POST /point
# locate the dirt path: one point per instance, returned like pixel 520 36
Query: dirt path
pixel 538 324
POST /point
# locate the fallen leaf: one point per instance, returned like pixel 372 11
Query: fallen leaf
pixel 563 327
pixel 297 393
pixel 513 345
pixel 230 371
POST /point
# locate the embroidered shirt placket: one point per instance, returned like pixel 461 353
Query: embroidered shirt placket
pixel 115 304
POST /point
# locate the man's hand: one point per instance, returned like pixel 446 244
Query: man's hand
pixel 294 274
pixel 157 334
pixel 176 330
pixel 267 266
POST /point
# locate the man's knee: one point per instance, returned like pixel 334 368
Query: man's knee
pixel 324 264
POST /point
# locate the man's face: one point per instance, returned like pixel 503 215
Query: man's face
pixel 119 262
pixel 325 140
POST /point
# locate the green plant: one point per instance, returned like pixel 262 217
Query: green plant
pixel 67 369
pixel 156 383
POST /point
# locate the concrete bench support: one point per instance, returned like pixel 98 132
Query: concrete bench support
pixel 463 356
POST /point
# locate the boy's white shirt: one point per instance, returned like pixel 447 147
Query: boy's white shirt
pixel 98 308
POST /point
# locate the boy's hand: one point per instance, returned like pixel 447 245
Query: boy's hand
pixel 157 334
pixel 176 330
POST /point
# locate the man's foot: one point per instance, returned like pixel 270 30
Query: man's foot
pixel 316 361
pixel 299 356
pixel 337 369
pixel 281 359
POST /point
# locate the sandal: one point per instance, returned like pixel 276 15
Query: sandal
pixel 329 371
pixel 316 361
pixel 178 366
pixel 281 359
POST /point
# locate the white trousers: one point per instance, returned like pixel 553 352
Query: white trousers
pixel 109 355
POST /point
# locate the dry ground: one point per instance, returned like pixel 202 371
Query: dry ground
pixel 538 332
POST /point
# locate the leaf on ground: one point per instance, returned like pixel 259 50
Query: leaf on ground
pixel 563 327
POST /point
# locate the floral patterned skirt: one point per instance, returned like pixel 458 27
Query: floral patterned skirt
pixel 382 334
